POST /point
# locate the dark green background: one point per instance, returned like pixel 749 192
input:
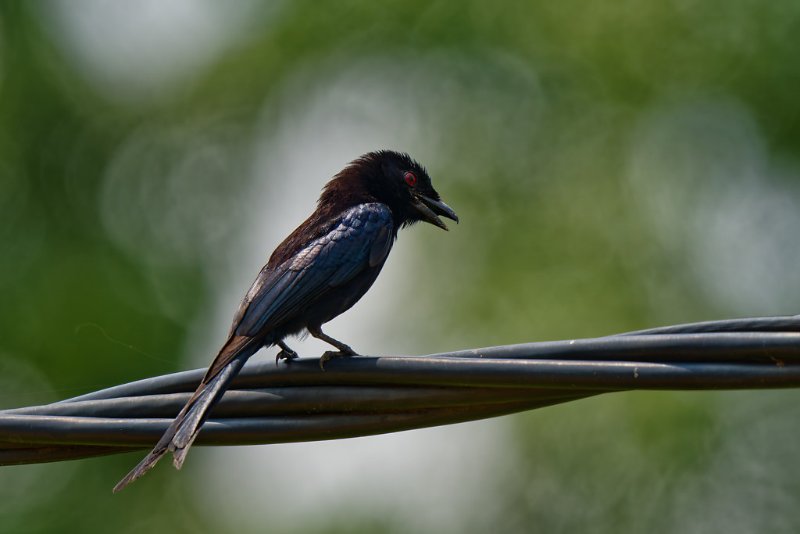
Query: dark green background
pixel 616 165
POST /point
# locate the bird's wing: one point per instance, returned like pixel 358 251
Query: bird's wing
pixel 360 239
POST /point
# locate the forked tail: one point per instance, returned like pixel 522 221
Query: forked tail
pixel 183 430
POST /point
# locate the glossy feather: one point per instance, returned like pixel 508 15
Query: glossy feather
pixel 319 271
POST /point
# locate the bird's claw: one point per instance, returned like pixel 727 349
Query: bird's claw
pixel 328 355
pixel 286 354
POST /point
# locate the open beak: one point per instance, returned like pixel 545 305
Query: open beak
pixel 429 210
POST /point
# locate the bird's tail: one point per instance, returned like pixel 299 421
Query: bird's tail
pixel 183 430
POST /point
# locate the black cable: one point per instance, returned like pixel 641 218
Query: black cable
pixel 371 395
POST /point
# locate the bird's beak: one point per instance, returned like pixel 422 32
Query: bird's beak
pixel 429 210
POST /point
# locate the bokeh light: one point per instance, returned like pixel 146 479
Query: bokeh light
pixel 615 166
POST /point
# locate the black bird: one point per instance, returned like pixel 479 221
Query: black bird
pixel 317 273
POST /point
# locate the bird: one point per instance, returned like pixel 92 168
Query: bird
pixel 318 272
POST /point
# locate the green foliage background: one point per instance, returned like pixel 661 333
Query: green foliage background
pixel 616 166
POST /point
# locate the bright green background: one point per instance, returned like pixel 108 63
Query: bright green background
pixel 616 165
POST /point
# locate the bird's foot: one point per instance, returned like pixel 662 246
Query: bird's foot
pixel 286 354
pixel 331 354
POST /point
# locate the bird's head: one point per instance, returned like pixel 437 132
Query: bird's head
pixel 398 181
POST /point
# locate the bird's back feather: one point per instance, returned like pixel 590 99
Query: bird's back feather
pixel 359 239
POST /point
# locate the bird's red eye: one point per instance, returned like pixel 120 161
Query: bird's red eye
pixel 410 178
